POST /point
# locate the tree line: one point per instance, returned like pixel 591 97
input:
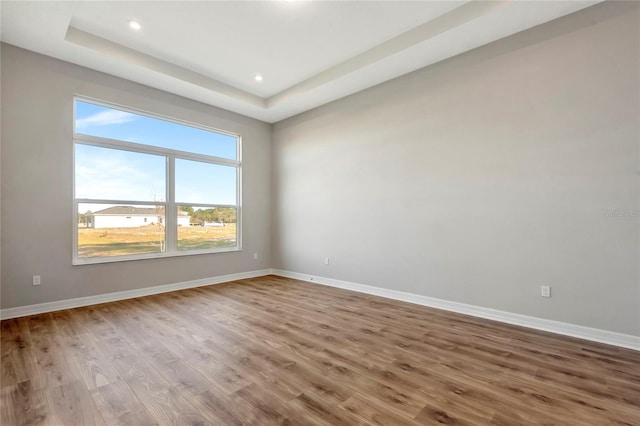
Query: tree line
pixel 217 214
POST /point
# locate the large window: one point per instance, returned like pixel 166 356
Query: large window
pixel 147 187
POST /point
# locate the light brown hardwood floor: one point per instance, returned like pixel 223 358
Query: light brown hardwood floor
pixel 273 350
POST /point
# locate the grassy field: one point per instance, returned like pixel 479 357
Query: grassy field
pixel 150 239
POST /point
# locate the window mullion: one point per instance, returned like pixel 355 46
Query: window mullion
pixel 149 149
pixel 171 226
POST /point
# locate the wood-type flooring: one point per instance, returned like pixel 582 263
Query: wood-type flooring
pixel 273 350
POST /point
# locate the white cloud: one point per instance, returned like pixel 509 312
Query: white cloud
pixel 105 118
pixel 116 177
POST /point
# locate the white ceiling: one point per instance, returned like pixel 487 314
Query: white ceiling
pixel 309 52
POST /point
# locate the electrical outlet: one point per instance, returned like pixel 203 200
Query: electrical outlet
pixel 36 280
pixel 545 291
pixel 255 256
pixel 326 260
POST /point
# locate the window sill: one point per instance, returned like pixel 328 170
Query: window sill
pixel 114 259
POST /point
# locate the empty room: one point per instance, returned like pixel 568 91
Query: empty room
pixel 320 213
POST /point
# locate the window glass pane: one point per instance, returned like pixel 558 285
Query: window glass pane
pixel 96 120
pixel 104 173
pixel 202 228
pixel 116 230
pixel 198 182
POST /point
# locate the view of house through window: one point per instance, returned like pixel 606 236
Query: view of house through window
pixel 149 187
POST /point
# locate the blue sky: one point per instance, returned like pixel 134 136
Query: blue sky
pixel 110 123
pixel 103 173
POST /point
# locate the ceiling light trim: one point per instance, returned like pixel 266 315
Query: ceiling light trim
pixel 118 51
pixel 452 19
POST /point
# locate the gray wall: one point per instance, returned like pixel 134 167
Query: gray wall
pixel 475 180
pixel 37 116
pixel 481 178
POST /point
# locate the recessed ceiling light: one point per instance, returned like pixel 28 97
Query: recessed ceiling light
pixel 135 25
pixel 258 77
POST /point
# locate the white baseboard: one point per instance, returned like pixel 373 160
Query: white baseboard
pixel 58 305
pixel 597 335
pixel 588 333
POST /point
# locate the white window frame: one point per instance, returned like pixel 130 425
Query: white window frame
pixel 170 205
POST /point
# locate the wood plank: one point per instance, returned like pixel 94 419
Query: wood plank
pixel 320 411
pixel 371 413
pixel 220 406
pixel 23 404
pixel 18 359
pixel 165 404
pixel 50 354
pixel 88 361
pixel 117 403
pixel 71 403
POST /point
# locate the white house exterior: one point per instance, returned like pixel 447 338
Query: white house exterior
pixel 132 217
pixel 214 224
pixel 183 219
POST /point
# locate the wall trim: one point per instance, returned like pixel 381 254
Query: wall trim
pixel 58 305
pixel 594 334
pixel 597 335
